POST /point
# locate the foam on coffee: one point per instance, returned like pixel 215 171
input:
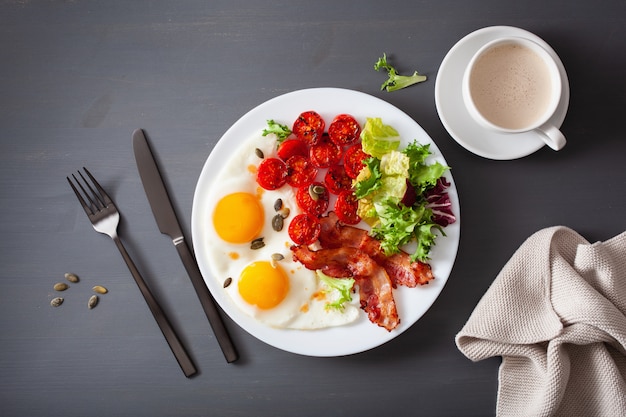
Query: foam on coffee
pixel 511 86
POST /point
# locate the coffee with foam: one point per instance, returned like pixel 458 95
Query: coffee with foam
pixel 511 86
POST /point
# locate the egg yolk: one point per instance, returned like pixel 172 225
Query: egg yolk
pixel 263 285
pixel 238 217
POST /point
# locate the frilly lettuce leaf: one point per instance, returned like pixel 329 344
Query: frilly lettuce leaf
pixel 396 81
pixel 340 287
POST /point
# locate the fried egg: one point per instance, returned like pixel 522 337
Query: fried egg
pixel 264 282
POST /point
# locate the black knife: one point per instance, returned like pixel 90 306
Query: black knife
pixel 168 224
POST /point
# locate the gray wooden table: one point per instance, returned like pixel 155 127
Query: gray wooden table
pixel 76 77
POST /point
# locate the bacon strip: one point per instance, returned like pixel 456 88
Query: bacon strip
pixel 375 286
pixel 336 262
pixel 399 266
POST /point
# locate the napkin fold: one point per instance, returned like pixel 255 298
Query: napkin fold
pixel 556 314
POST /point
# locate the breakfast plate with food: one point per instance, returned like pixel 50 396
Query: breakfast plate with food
pixel 325 222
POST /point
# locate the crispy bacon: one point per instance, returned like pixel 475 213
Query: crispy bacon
pixel 399 266
pixel 406 272
pixel 336 262
pixel 375 286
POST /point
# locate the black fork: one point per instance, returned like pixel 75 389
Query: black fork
pixel 105 217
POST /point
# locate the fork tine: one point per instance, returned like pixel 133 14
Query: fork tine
pixel 94 198
pixel 79 196
pixel 107 199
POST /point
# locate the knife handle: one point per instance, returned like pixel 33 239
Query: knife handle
pixel 208 304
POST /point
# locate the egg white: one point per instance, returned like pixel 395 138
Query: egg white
pixel 303 307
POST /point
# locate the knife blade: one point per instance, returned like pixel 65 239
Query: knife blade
pixel 167 221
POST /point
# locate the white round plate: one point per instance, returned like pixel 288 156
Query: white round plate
pixel 454 115
pixel 361 335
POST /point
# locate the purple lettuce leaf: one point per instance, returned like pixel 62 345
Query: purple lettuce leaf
pixel 438 200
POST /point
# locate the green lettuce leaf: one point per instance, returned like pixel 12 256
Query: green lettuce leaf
pixel 396 224
pixel 340 287
pixel 281 131
pixel 421 175
pixel 377 138
pixel 399 225
pixel 368 185
pixel 426 176
pixel 396 81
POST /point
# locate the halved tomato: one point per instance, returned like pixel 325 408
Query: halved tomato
pixel 337 180
pixel 325 153
pixel 292 147
pixel 309 127
pixel 272 174
pixel 344 130
pixel 300 171
pixel 353 160
pixel 346 207
pixel 313 199
pixel 304 229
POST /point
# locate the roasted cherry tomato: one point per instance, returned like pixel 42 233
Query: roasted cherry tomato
pixel 344 130
pixel 304 229
pixel 353 160
pixel 313 199
pixel 292 147
pixel 337 180
pixel 272 173
pixel 346 207
pixel 300 171
pixel 325 153
pixel 309 127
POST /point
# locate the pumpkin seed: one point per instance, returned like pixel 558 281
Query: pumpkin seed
pixel 315 191
pixel 61 286
pixel 227 282
pixel 284 211
pixel 259 153
pixel 278 204
pixel 276 257
pixel 55 302
pixel 277 222
pixel 100 289
pixel 93 301
pixel 71 277
pixel 318 189
pixel 257 243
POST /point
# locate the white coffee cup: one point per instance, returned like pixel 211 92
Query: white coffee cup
pixel 513 85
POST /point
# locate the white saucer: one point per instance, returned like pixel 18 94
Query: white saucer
pixel 456 119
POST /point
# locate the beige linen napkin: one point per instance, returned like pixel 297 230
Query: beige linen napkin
pixel 556 313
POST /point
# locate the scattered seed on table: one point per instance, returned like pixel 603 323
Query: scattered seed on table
pixel 71 277
pixel 61 286
pixel 93 301
pixel 100 289
pixel 55 302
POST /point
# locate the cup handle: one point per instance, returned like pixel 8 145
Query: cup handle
pixel 552 137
